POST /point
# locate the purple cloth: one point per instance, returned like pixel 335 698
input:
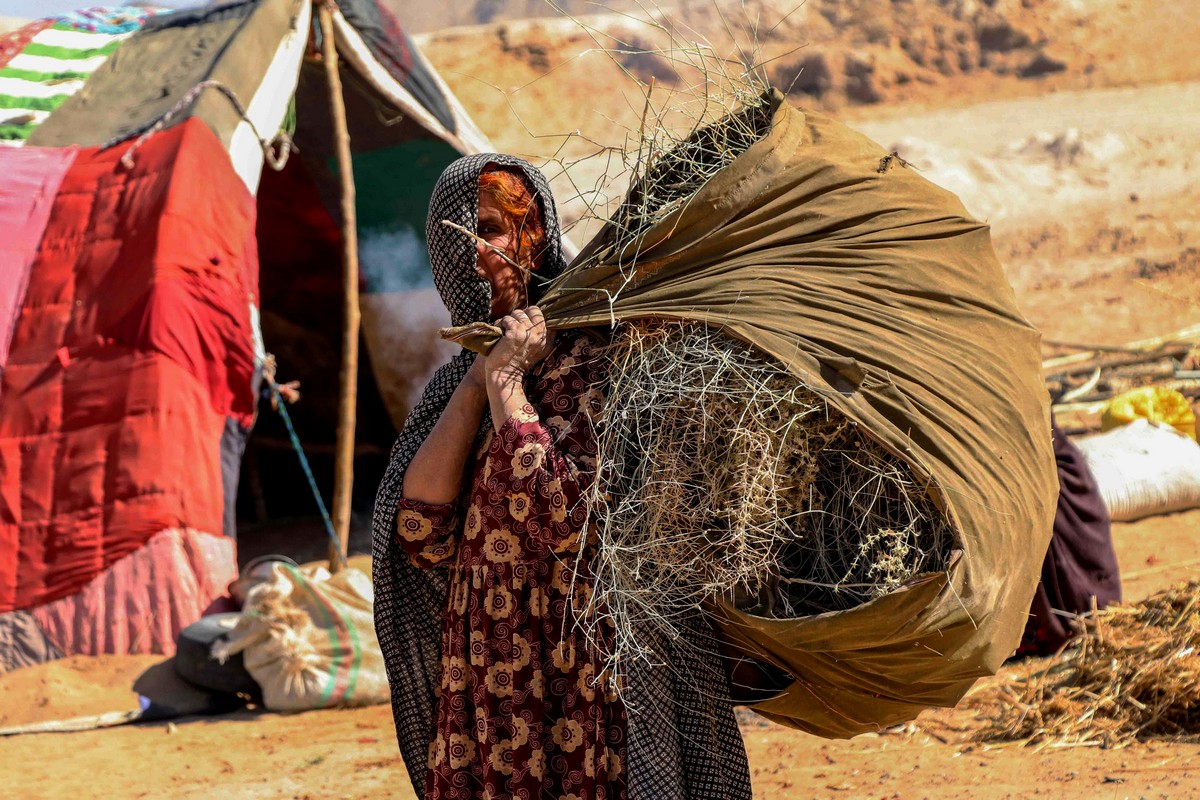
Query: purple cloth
pixel 1080 563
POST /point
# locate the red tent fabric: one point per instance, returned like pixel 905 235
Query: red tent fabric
pixel 133 346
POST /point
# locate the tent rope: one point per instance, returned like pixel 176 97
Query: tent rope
pixel 277 402
pixel 282 139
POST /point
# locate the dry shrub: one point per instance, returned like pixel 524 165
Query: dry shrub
pixel 1133 674
pixel 675 174
pixel 702 107
pixel 727 477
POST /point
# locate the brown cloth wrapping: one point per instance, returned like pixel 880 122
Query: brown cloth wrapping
pixel 878 291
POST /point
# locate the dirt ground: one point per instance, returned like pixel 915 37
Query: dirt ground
pixel 251 755
pixel 1089 176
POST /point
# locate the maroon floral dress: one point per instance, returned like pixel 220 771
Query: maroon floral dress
pixel 525 710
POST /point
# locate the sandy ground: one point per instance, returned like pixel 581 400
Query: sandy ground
pixel 1092 196
pixel 352 753
pixel 1090 181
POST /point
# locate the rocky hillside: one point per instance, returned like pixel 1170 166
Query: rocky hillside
pixel 833 54
pixel 564 87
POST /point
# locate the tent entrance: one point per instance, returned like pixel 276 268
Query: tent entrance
pixel 396 163
pixel 299 247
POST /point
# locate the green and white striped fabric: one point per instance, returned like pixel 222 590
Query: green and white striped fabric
pixel 53 66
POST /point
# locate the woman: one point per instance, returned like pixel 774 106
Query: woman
pixel 683 741
pixel 525 709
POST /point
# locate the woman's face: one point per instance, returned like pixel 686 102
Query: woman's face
pixel 508 281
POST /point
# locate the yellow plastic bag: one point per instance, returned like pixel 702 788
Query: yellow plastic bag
pixel 1153 403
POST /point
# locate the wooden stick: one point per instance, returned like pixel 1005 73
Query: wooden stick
pixel 1081 391
pixel 1080 347
pixel 485 243
pixel 1151 370
pixel 1189 387
pixel 1121 359
pixel 343 479
pixel 1090 407
pixel 1129 576
pixel 1189 334
pixel 75 724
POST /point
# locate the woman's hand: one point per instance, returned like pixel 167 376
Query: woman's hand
pixel 526 342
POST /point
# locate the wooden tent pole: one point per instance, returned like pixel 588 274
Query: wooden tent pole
pixel 343 481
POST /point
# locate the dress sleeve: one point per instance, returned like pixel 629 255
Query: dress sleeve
pixel 427 532
pixel 542 461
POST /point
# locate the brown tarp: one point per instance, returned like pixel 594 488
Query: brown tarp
pixel 878 291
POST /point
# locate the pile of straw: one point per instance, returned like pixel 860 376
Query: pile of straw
pixel 726 477
pixel 1133 674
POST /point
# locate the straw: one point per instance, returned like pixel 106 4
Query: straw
pixel 725 477
pixel 1133 674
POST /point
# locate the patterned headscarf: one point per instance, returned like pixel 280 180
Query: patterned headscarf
pixel 684 739
pixel 452 254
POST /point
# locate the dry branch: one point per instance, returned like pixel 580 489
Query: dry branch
pixel 1110 360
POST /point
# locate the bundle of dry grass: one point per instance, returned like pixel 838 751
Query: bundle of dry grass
pixel 708 105
pixel 1133 674
pixel 726 477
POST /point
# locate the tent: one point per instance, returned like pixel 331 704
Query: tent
pixel 160 234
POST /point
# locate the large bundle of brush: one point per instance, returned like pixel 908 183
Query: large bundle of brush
pixel 825 425
pixel 1133 674
pixel 728 478
pixel 725 476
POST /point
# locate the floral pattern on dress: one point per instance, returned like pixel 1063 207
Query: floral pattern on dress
pixel 525 709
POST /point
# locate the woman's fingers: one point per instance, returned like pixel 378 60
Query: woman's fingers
pixel 511 324
pixel 517 335
pixel 524 321
pixel 541 338
pixel 531 318
pixel 526 340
